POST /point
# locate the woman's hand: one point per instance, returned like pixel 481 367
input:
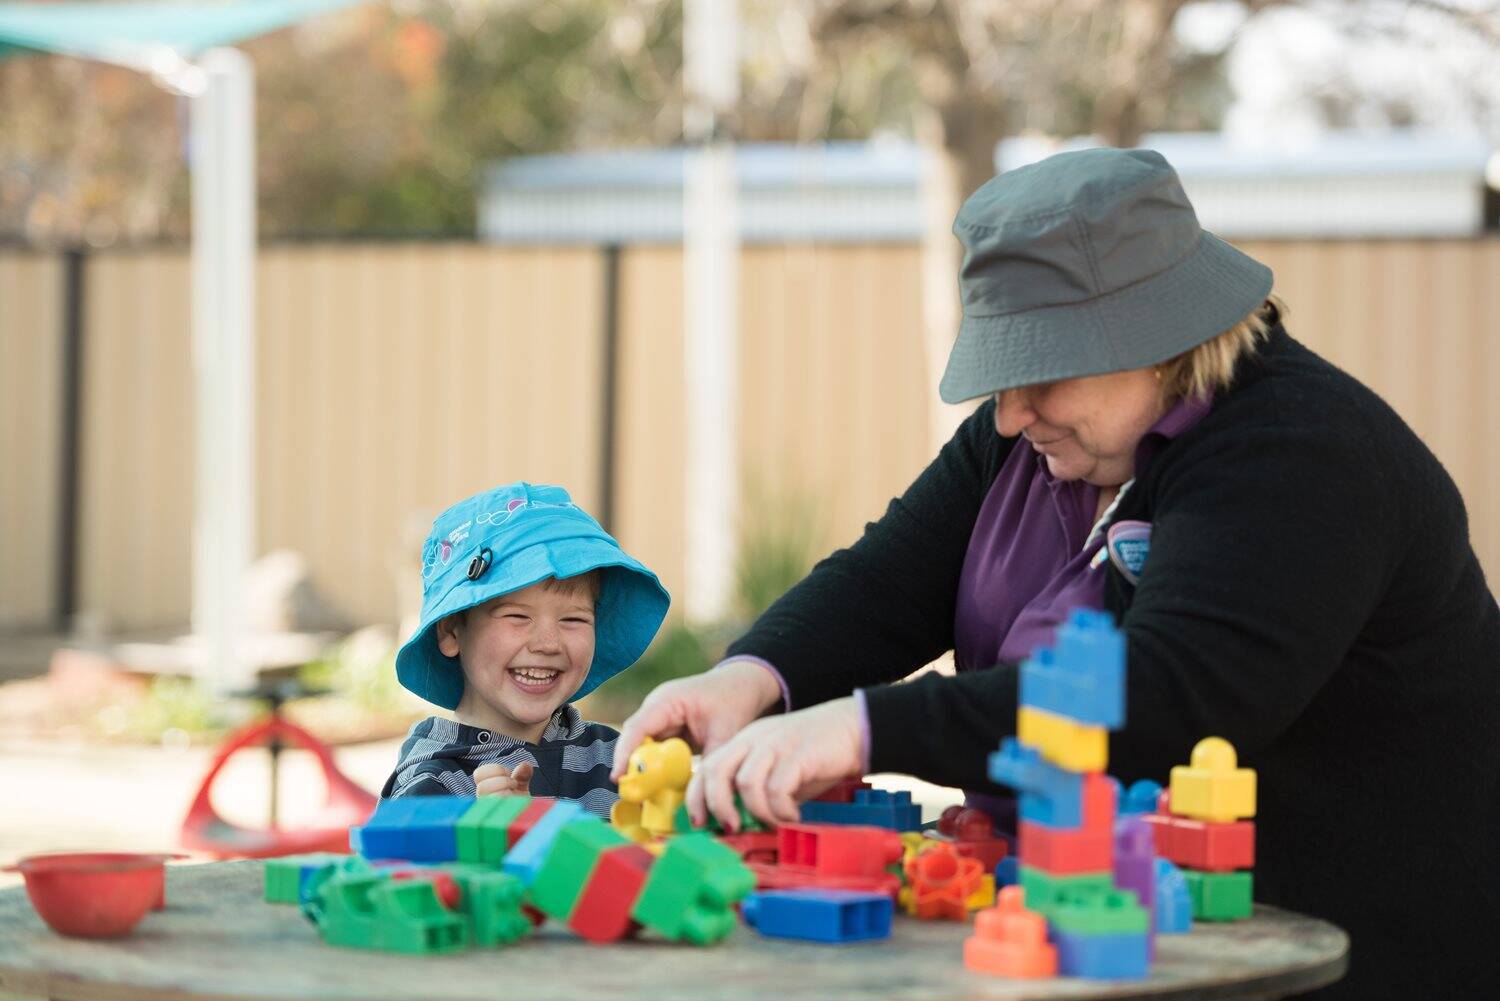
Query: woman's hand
pixel 706 708
pixel 497 780
pixel 773 763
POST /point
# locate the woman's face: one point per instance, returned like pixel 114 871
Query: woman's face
pixel 1086 428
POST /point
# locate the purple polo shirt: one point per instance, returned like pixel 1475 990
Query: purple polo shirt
pixel 1031 560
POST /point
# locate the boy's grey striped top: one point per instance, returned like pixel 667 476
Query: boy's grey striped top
pixel 572 760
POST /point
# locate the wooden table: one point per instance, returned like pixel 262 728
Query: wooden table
pixel 217 939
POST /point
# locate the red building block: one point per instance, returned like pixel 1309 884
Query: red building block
pixel 841 793
pixel 838 849
pixel 602 913
pixel 778 877
pixel 1207 845
pixel 534 811
pixel 1064 852
pixel 754 846
pixel 443 886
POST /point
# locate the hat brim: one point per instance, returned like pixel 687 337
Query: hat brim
pixel 1198 298
pixel 631 608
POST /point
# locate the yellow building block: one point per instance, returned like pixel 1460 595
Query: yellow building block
pixel 985 895
pixel 1066 743
pixel 654 780
pixel 1213 787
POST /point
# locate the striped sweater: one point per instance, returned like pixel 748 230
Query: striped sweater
pixel 572 760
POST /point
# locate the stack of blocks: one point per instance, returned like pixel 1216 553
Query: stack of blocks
pixel 496 864
pixel 1098 917
pixel 1203 826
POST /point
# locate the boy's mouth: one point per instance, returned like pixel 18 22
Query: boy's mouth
pixel 534 680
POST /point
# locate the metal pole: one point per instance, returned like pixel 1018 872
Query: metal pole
pixel 223 179
pixel 711 305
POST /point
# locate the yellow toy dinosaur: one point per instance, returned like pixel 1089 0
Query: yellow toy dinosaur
pixel 652 788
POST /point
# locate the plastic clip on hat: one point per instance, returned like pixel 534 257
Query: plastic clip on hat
pixel 510 538
pixel 1085 263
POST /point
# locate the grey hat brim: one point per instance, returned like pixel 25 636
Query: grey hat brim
pixel 1199 297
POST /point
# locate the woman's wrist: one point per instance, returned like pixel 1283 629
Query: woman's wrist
pixel 764 680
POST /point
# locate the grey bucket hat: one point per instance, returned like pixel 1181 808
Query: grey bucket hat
pixel 1084 263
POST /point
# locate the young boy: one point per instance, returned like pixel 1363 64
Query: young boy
pixel 527 604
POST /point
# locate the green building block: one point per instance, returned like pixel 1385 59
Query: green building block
pixel 480 832
pixel 1219 896
pixel 284 875
pixel 312 897
pixel 574 853
pixel 1098 912
pixel 691 890
pixel 345 913
pixel 492 903
pixel 410 918
pixel 1042 890
pixel 683 824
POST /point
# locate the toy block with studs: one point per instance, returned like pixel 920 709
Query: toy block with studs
pixel 837 849
pixel 285 876
pixel 692 889
pixel 1135 859
pixel 1067 743
pixel 842 791
pixel 1065 852
pixel 1082 676
pixel 871 807
pixel 941 882
pixel 1010 941
pixel 493 903
pixel 1174 901
pixel 603 910
pixel 525 858
pixel 416 828
pixel 1099 912
pixel 1213 786
pixel 1207 845
pixel 569 864
pixel 1042 890
pixel 1124 956
pixel 1219 896
pixel 819 915
pixel 481 835
pixel 411 918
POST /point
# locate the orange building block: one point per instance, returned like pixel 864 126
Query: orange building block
pixel 942 881
pixel 1010 941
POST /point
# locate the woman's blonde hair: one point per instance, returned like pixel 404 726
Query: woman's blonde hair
pixel 1209 367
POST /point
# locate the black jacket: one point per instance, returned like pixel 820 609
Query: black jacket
pixel 1311 595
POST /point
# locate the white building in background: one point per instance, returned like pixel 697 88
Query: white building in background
pixel 1341 185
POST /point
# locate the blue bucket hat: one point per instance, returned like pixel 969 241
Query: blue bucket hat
pixel 507 539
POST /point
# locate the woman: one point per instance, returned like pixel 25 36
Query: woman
pixel 1309 593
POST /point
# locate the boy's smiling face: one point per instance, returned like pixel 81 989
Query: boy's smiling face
pixel 524 654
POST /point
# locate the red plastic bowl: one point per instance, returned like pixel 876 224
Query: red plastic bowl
pixel 93 894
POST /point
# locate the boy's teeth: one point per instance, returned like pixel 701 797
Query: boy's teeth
pixel 535 675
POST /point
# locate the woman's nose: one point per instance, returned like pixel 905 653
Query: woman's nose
pixel 1013 413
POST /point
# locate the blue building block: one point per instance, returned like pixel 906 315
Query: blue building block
pixel 1082 676
pixel 1049 795
pixel 1102 957
pixel 418 828
pixel 871 807
pixel 525 858
pixel 1140 797
pixel 819 915
pixel 1174 903
pixel 1007 872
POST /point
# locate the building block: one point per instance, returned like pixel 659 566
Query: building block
pixel 1174 902
pixel 285 876
pixel 492 902
pixel 418 828
pixel 1082 676
pixel 988 853
pixel 941 882
pixel 754 846
pixel 481 834
pixel 691 890
pixel 603 910
pixel 1099 912
pixel 838 850
pixel 1049 795
pixel 531 814
pixel 682 823
pixel 819 915
pixel 871 807
pixel 1207 845
pixel 344 911
pixel 1141 797
pixel 973 834
pixel 525 858
pixel 1219 896
pixel 1067 743
pixel 984 896
pixel 570 863
pixel 1135 860
pixel 1213 787
pixel 1065 852
pixel 770 876
pixel 409 918
pixel 841 792
pixel 1007 872
pixel 443 885
pixel 652 787
pixel 1010 941
pixel 1103 957
pixel 1042 889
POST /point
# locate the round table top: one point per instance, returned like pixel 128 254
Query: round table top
pixel 218 939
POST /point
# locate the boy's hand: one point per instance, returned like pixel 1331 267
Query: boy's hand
pixel 497 780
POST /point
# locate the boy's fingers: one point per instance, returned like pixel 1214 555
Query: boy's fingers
pixel 495 786
pixel 522 776
pixel 490 771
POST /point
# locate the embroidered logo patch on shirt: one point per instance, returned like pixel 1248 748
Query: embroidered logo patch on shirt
pixel 1128 543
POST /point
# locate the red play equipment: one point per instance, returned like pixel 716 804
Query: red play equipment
pixel 347 802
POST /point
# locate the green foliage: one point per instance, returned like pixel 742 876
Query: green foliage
pixel 361 671
pixel 780 538
pixel 171 708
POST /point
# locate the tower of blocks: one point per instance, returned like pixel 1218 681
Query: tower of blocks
pixel 1090 865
